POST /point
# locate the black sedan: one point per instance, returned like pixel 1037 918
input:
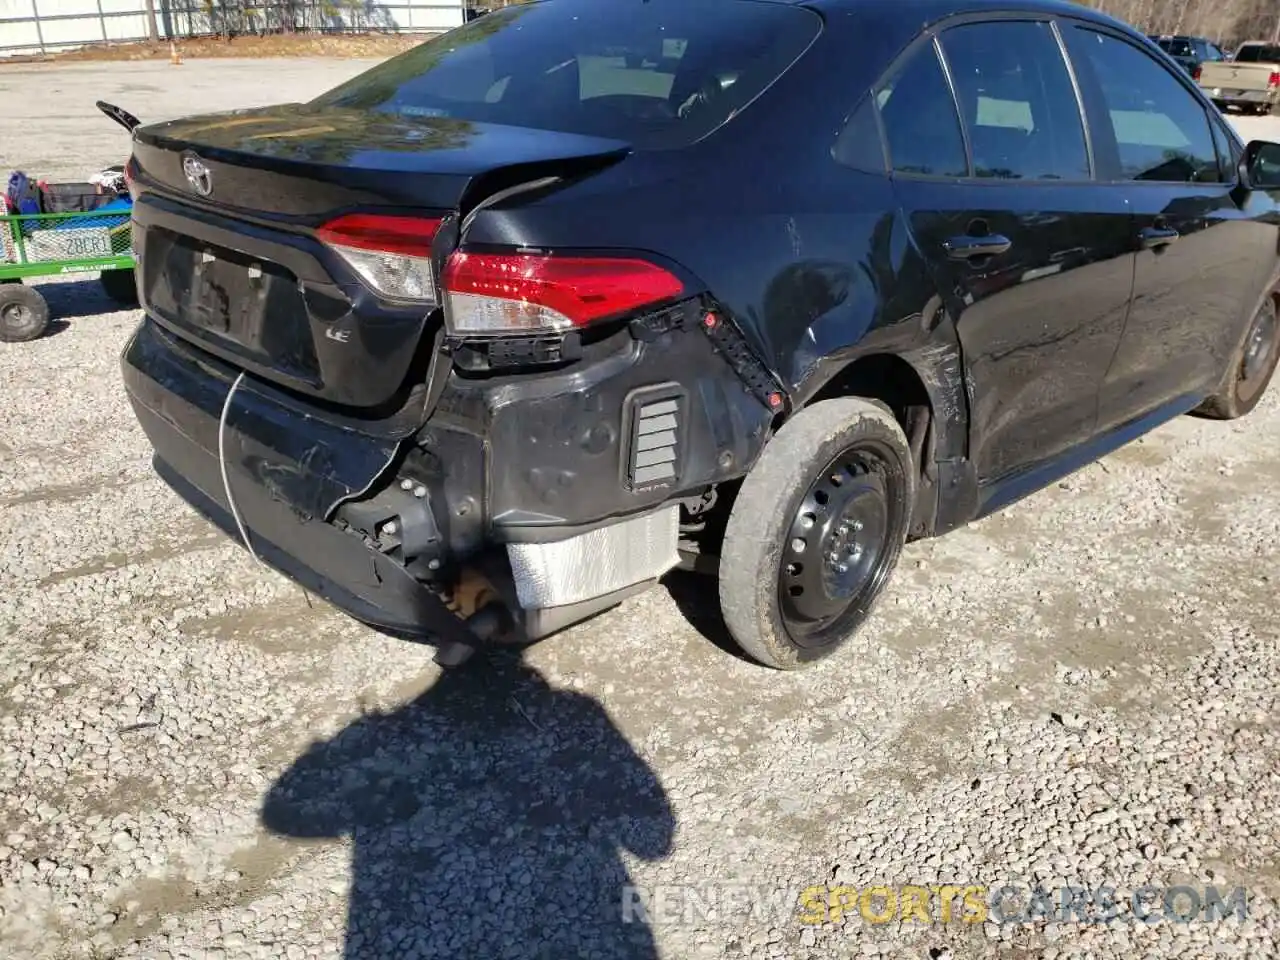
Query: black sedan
pixel 500 332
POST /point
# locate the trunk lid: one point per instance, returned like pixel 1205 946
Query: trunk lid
pixel 302 160
pixel 226 213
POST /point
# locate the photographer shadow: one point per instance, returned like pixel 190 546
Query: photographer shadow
pixel 487 819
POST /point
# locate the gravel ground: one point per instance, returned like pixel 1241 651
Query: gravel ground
pixel 195 762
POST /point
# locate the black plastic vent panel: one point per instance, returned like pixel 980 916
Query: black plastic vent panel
pixel 655 450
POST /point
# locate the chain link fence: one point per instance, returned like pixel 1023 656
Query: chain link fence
pixel 45 26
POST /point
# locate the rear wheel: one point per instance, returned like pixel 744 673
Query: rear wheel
pixel 816 532
pixel 23 313
pixel 1252 367
pixel 120 286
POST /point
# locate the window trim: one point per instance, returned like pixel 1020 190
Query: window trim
pixel 1230 179
pixel 966 142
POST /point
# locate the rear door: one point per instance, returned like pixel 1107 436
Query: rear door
pixel 1200 258
pixel 1033 258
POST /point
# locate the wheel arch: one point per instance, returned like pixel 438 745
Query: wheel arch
pixel 924 388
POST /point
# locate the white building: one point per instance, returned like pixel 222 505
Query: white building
pixel 37 26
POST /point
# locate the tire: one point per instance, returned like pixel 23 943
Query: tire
pixel 840 465
pixel 23 313
pixel 1253 364
pixel 120 286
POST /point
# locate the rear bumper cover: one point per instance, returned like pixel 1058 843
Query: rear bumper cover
pixel 280 493
pixel 533 467
pixel 1237 98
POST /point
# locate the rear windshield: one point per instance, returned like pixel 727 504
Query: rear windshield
pixel 656 73
pixel 1258 54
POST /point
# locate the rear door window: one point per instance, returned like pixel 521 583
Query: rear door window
pixel 1017 101
pixel 1258 53
pixel 659 74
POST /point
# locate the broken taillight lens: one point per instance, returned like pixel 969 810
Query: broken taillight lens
pixel 392 255
pixel 497 294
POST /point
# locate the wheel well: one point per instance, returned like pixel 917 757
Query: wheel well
pixel 891 380
pixel 882 377
pixel 895 383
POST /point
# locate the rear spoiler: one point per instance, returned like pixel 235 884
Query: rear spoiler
pixel 120 116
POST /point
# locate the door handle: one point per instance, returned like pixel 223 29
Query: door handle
pixel 971 248
pixel 1154 238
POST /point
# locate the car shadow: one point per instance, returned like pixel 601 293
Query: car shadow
pixel 697 597
pixel 487 818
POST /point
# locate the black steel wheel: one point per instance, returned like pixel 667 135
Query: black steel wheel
pixel 24 315
pixel 816 532
pixel 1252 367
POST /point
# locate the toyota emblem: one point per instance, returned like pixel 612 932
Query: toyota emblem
pixel 197 174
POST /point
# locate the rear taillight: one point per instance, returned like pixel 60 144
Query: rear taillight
pixel 390 254
pixel 492 294
pixel 1195 73
pixel 1274 79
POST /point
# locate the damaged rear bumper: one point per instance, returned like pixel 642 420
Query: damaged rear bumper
pixel 528 491
pixel 284 473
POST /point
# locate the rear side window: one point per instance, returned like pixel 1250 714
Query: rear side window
pixel 1161 130
pixel 1258 53
pixel 919 118
pixel 1017 101
pixel 659 74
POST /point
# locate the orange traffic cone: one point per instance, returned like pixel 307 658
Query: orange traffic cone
pixel 173 54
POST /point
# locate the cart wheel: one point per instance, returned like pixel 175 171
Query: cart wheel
pixel 23 314
pixel 120 286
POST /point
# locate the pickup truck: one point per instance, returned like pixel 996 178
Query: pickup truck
pixel 1190 52
pixel 1250 81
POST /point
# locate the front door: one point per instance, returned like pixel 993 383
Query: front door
pixel 1033 258
pixel 1201 259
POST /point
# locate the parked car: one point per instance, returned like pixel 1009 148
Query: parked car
pixel 1190 52
pixel 1250 82
pixel 501 331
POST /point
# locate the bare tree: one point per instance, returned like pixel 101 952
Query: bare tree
pixel 1228 22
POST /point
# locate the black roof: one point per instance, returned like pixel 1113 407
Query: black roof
pixel 937 9
pixel 928 11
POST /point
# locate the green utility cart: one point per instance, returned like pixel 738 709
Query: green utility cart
pixel 66 229
pixel 60 244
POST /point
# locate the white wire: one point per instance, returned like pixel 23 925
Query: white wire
pixel 222 465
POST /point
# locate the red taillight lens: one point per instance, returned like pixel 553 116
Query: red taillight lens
pixel 1195 74
pixel 390 254
pixel 489 294
pixel 1274 79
